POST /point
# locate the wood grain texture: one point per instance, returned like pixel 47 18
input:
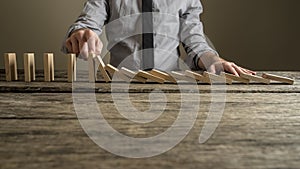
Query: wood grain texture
pixel 41 131
pixel 259 129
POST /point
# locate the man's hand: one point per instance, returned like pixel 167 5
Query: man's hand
pixel 215 64
pixel 83 42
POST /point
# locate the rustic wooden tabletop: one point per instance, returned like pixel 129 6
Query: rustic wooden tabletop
pixel 260 127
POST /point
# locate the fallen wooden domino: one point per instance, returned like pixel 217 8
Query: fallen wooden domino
pixel 115 72
pixel 197 76
pixel 180 76
pixel 235 78
pixel 48 67
pixel 278 78
pixel 132 75
pixel 71 67
pixel 111 69
pixel 10 61
pixel 98 63
pixel 150 76
pixel 217 79
pixel 29 67
pixel 163 75
pixel 255 78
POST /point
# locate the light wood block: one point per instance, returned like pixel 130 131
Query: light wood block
pixel 101 67
pixel 149 76
pixel 48 67
pixel 197 76
pixel 29 67
pixel 111 69
pixel 217 79
pixel 235 78
pixel 180 76
pixel 10 61
pixel 92 70
pixel 115 72
pixel 278 78
pixel 72 67
pixel 255 78
pixel 163 75
pixel 131 74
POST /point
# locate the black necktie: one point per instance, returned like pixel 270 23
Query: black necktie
pixel 148 42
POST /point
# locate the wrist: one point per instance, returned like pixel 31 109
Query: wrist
pixel 207 59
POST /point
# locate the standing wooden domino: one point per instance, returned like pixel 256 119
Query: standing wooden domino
pixel 163 75
pixel 197 76
pixel 10 61
pixel 255 78
pixel 147 75
pixel 71 67
pixel 278 78
pixel 132 75
pixel 98 64
pixel 48 67
pixel 29 67
pixel 92 69
pixel 217 79
pixel 235 78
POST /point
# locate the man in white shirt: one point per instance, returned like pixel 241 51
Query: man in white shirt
pixel 149 32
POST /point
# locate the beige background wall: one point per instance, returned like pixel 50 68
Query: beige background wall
pixel 259 34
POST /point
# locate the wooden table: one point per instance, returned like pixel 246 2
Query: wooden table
pixel 260 127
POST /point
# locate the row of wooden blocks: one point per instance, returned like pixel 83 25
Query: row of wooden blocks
pixel 10 61
pixel 108 71
pixel 11 71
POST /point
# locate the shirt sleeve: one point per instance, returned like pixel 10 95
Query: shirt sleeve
pixel 192 34
pixel 93 16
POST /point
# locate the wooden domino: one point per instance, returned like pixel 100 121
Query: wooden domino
pixel 10 61
pixel 95 62
pixel 48 67
pixel 255 78
pixel 111 69
pixel 92 70
pixel 149 76
pixel 29 67
pixel 217 79
pixel 101 66
pixel 72 67
pixel 197 76
pixel 114 71
pixel 163 75
pixel 278 78
pixel 235 78
pixel 180 76
pixel 131 74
